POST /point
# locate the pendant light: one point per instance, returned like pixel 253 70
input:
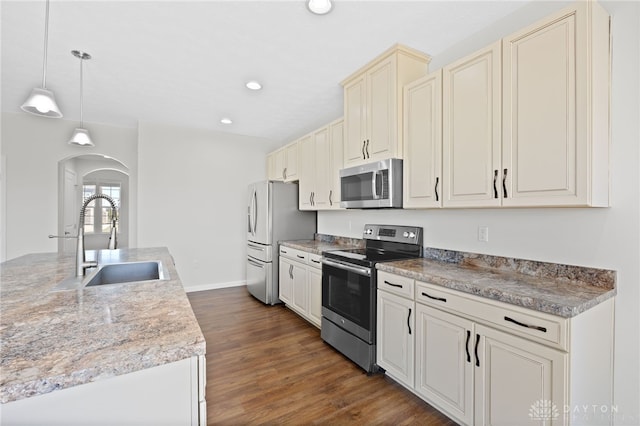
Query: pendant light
pixel 80 134
pixel 41 101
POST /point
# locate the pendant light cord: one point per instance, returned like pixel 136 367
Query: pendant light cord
pixel 46 39
pixel 81 90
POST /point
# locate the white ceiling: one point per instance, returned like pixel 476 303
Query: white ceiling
pixel 186 62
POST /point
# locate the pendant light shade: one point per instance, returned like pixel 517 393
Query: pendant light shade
pixel 42 102
pixel 80 134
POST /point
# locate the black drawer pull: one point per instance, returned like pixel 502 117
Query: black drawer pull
pixel 299 257
pixel 521 324
pixel 315 261
pixel 441 299
pixel 392 284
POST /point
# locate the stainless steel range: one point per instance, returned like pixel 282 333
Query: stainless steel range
pixel 349 289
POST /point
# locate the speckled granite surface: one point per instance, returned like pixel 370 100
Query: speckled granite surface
pixel 323 242
pixel 55 340
pixel 561 290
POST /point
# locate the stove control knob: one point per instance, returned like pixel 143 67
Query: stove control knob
pixel 412 235
pixel 368 231
pixel 405 234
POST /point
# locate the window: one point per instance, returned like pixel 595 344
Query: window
pixel 97 217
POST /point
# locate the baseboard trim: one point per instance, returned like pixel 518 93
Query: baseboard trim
pixel 203 287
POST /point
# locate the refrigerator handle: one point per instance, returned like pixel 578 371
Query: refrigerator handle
pixel 249 214
pixel 255 211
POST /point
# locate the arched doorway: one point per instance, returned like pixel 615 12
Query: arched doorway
pixel 78 175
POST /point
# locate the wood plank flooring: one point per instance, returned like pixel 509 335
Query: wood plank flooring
pixel 266 365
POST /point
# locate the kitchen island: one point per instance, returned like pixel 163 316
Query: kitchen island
pixel 120 352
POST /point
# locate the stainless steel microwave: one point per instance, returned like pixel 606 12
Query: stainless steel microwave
pixel 372 186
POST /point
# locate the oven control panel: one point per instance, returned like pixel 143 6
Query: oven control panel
pixel 401 234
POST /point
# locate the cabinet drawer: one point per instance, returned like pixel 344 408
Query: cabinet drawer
pixel 315 260
pixel 402 286
pixel 295 254
pixel 537 326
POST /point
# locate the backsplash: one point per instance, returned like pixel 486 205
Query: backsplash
pixel 604 278
pixel 343 241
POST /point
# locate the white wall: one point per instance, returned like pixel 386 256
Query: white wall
pixel 603 238
pixel 32 147
pixel 192 199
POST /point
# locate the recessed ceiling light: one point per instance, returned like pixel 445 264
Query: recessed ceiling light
pixel 319 7
pixel 253 85
pixel 226 121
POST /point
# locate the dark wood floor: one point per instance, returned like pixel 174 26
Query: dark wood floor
pixel 266 365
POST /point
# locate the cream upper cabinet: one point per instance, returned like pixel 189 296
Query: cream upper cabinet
pixel 320 155
pixel 422 139
pixel 282 164
pixel 472 130
pixel 373 105
pixel 306 183
pixel 336 134
pixel 556 110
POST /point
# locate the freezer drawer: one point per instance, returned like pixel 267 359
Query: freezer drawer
pixel 260 281
pixel 260 252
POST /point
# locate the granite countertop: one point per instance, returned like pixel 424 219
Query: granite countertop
pixel 56 340
pixel 561 290
pixel 324 243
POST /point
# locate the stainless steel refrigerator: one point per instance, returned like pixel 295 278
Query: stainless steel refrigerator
pixel 272 216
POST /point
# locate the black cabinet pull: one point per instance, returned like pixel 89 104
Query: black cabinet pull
pixel 476 350
pixel 521 324
pixel 466 346
pixel 330 195
pixel 291 271
pixel 367 145
pixel 436 188
pixel 495 188
pixel 441 299
pixel 504 184
pixel 315 261
pixel 300 257
pixel 392 284
pixel 363 155
pixel 408 321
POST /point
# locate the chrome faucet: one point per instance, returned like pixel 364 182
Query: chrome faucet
pixel 81 261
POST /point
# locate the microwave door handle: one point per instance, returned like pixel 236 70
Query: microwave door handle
pixel 374 185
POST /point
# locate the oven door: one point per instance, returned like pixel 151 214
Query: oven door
pixel 348 298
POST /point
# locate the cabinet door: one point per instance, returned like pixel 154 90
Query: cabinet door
pixel 423 142
pixel 315 295
pixel 271 166
pixel 285 281
pixel 355 99
pixel 279 165
pixel 472 130
pixel 556 76
pixel 504 364
pixel 395 336
pixel 444 362
pixel 300 300
pixel 306 183
pixel 291 158
pixel 336 134
pixel 382 104
pixel 322 160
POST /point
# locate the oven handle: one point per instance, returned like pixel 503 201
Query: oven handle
pixel 351 268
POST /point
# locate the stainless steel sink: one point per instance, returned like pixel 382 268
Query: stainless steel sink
pixel 117 273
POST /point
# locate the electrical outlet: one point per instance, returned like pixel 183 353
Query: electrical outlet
pixel 483 234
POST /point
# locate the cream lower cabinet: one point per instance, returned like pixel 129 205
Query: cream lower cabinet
pixel 484 362
pixel 169 394
pixel 300 283
pixel 395 339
